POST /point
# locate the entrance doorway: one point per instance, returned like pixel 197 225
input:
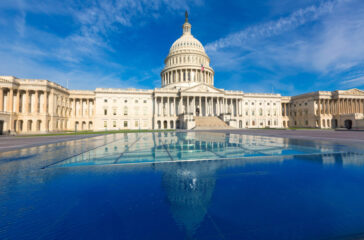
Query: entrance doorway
pixel 348 124
pixel 1 127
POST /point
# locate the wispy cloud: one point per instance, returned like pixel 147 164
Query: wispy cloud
pixel 54 56
pixel 272 28
pixel 324 40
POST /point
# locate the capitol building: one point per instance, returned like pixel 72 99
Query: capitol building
pixel 187 99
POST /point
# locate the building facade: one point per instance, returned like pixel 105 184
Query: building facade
pixel 187 99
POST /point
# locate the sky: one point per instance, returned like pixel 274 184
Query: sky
pixel 268 46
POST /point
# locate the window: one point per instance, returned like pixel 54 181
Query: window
pixel 136 101
pixel 114 123
pixel 105 112
pixel 105 100
pixel 114 112
pixel 246 113
pixel 125 101
pixel 253 113
pixel 105 124
pixel 136 124
pixel 125 124
pixel 125 110
pixel 145 101
pixel 260 112
pixel 114 100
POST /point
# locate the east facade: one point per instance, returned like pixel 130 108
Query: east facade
pixel 187 99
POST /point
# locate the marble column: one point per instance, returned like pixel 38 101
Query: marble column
pixel 45 102
pixel 10 100
pixel 27 101
pixel 168 107
pixel 200 108
pixel 17 104
pixel 36 102
pixel 174 106
pixel 1 99
pixel 206 111
pixel 188 104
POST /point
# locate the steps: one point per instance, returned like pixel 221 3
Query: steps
pixel 210 123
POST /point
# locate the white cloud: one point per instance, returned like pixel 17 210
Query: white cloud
pixel 272 28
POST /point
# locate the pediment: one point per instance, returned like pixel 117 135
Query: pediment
pixel 353 91
pixel 202 88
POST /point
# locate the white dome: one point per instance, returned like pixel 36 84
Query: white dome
pixel 186 42
pixel 187 63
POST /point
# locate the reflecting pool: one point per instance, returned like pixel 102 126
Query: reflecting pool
pixel 170 185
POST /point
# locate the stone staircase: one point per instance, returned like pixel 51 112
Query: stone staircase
pixel 210 123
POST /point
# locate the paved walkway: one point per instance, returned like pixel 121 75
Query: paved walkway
pixel 8 143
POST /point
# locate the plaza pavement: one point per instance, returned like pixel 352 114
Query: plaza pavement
pixel 8 143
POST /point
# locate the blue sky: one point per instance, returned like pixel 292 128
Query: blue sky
pixel 282 46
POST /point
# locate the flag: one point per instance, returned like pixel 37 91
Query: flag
pixel 202 68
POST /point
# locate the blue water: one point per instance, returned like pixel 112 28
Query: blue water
pixel 183 186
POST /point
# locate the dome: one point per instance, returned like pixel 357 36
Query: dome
pixel 186 43
pixel 187 63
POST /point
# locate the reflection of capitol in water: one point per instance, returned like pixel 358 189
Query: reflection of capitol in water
pixel 189 190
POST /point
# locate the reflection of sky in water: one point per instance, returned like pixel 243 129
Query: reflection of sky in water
pixel 260 188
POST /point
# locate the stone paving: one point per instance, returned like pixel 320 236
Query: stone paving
pixel 8 143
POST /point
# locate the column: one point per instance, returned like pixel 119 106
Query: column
pixel 27 101
pixel 17 107
pixel 180 108
pixel 168 108
pixel 10 102
pixel 1 100
pixel 194 105
pixel 45 102
pixel 74 107
pixel 81 106
pixel 36 102
pixel 206 112
pixel 155 105
pixel 88 107
pixel 199 104
pixel 188 104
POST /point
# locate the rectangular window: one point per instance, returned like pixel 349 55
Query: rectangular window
pixel 136 124
pixel 125 124
pixel 114 112
pixel 105 124
pixel 114 123
pixel 105 112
